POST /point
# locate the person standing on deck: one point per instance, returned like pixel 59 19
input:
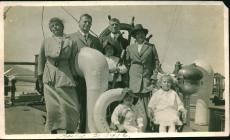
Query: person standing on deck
pixel 143 63
pixel 56 73
pixel 82 38
pixel 119 43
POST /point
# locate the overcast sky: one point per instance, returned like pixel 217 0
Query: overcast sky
pixel 182 33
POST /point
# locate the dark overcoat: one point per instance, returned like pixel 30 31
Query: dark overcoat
pixel 141 66
pixel 91 41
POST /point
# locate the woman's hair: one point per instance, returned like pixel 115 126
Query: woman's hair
pixel 169 77
pixel 56 19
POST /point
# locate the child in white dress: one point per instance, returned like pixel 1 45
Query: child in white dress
pixel 165 105
pixel 114 67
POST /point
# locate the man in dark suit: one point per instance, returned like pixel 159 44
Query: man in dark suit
pixel 82 38
pixel 115 38
pixel 119 43
pixel 142 61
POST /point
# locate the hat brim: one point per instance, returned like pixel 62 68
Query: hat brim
pixel 133 32
pixel 132 95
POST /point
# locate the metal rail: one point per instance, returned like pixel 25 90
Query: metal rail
pixel 26 63
pixel 20 63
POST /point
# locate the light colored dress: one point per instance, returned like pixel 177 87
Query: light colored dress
pixel 132 122
pixel 61 99
pixel 112 63
pixel 165 106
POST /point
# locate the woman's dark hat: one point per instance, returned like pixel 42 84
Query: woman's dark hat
pixel 138 27
pixel 129 92
pixel 107 45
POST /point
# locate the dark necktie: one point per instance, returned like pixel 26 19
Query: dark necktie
pixel 85 37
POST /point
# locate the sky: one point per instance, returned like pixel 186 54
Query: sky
pixel 182 33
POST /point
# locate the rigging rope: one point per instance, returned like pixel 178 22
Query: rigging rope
pixel 174 22
pixel 77 20
pixel 7 10
pixel 42 22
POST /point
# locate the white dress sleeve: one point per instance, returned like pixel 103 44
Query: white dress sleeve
pixel 122 69
pixel 180 105
pixel 114 117
pixel 152 102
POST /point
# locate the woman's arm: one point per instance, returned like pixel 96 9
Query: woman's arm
pixel 114 117
pixel 41 60
pixel 180 105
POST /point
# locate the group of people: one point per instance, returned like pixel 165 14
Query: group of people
pixel 131 66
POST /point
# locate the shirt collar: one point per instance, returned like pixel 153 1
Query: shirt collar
pixel 140 44
pixel 114 35
pixel 64 36
pixel 84 34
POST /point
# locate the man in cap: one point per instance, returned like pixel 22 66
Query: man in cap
pixel 143 63
pixel 116 39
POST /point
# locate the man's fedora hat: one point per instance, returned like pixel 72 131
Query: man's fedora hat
pixel 138 27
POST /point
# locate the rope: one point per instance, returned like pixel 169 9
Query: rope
pixel 168 44
pixel 42 19
pixel 42 22
pixel 77 20
pixel 7 10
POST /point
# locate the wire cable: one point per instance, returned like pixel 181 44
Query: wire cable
pixel 42 19
pixel 77 20
pixel 168 41
pixel 7 10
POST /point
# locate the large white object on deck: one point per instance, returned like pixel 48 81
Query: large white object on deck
pixel 205 92
pixel 92 65
pixel 201 113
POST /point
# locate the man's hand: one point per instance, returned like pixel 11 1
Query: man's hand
pixel 120 128
pixel 40 84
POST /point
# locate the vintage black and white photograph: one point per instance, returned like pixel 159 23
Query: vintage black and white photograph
pixel 114 69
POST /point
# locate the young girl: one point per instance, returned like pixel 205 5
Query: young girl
pixel 165 105
pixel 124 116
pixel 115 70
